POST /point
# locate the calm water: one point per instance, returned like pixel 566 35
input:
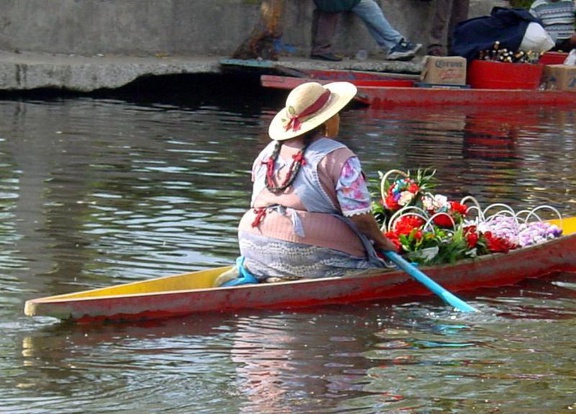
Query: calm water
pixel 103 191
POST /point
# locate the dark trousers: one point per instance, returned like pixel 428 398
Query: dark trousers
pixel 448 13
pixel 565 45
pixel 323 30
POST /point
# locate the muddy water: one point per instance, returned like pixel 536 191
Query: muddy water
pixel 97 192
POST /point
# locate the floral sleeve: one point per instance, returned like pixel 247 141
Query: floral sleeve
pixel 351 189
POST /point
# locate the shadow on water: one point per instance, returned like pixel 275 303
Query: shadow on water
pixel 189 91
pixel 226 92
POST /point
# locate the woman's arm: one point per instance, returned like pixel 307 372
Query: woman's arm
pixel 367 225
pixel 355 202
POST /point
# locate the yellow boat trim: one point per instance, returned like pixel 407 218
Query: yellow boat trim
pixel 568 225
pixel 202 279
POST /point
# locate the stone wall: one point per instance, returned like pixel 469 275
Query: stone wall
pixel 184 27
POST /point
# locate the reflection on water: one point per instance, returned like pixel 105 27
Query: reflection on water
pixel 104 191
pixel 364 358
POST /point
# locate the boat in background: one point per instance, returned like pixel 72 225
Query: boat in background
pixel 389 89
pixel 192 293
pixel 289 83
pixel 390 92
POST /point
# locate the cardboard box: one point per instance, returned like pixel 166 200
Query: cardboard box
pixel 444 70
pixel 559 77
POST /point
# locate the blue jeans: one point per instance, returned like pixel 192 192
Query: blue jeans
pixel 380 29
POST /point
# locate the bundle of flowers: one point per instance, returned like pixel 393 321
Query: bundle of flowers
pixel 431 229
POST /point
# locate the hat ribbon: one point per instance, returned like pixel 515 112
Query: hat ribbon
pixel 294 123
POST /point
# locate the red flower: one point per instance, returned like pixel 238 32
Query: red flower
pixel 444 220
pixel 454 215
pixel 471 236
pixel 391 203
pixel 417 234
pixel 497 244
pixel 394 192
pixel 407 223
pixel 458 208
pixel 393 237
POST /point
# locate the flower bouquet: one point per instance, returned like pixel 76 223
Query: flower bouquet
pixel 398 190
pixel 430 229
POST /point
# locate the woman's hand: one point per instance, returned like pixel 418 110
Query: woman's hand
pixel 368 226
pixel 386 245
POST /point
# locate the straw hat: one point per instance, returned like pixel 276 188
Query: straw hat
pixel 308 106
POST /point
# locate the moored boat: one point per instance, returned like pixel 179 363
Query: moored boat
pixel 191 293
pixel 384 97
pixel 388 93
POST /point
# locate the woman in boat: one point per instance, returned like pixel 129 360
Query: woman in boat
pixel 310 212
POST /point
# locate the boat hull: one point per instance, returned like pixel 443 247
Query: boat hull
pixel 390 93
pixel 385 97
pixel 192 293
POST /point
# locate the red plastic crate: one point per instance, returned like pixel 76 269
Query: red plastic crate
pixel 553 58
pixel 486 74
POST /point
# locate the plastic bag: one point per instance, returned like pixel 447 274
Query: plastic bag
pixel 536 39
pixel 571 58
pixel 507 26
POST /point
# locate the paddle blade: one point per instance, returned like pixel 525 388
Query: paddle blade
pixel 434 287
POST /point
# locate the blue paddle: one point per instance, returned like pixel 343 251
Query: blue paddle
pixel 448 297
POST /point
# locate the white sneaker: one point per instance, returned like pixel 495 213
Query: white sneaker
pixel 404 51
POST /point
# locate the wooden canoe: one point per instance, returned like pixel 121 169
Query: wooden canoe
pixel 386 93
pixel 191 293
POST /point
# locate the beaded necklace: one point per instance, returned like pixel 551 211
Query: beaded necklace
pixel 298 161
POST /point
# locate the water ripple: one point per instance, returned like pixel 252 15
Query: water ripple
pixel 100 192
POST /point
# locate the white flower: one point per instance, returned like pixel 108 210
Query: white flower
pixel 405 198
pixel 435 203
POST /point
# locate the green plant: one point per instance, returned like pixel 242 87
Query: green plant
pixel 521 4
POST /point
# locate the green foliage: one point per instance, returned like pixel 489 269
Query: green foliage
pixel 521 4
pixel 451 246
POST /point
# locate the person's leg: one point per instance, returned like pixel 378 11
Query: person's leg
pixel 460 9
pixel 572 42
pixel 439 21
pixel 565 45
pixel 380 29
pixel 323 30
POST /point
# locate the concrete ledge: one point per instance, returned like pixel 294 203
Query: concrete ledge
pixel 28 71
